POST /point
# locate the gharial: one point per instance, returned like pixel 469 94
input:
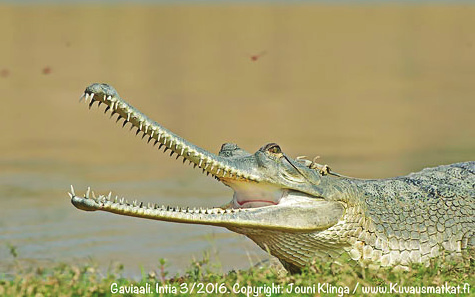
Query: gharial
pixel 299 210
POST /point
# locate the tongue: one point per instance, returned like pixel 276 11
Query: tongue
pixel 254 203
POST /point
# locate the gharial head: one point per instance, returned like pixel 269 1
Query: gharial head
pixel 271 190
pixel 273 176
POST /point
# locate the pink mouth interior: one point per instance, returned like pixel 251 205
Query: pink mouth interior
pixel 255 203
pixel 249 195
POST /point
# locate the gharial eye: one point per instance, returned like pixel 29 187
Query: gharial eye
pixel 274 149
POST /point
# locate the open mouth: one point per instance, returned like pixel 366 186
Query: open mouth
pixel 269 192
pixel 255 195
pixel 252 195
pixel 250 190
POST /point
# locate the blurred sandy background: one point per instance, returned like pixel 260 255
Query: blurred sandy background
pixel 376 90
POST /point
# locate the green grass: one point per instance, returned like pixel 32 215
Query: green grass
pixel 202 280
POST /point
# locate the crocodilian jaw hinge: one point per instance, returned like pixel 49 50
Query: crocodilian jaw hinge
pixel 210 163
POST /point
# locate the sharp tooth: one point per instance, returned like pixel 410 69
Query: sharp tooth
pixel 88 192
pixel 140 126
pixel 70 195
pixel 201 161
pixel 182 151
pixel 109 98
pixel 217 172
pixel 121 200
pixel 82 97
pixel 72 190
pixel 92 96
pixel 151 134
pixel 86 97
pixel 128 117
pixel 224 173
pixel 109 196
pixel 158 137
pixel 104 99
pixel 146 128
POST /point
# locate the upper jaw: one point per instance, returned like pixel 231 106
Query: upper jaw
pixel 231 163
pixel 215 165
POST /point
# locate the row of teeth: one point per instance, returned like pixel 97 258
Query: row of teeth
pixel 117 202
pixel 176 146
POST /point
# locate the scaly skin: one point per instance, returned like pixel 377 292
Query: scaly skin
pixel 300 211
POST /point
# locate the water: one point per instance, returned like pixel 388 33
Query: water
pixel 376 91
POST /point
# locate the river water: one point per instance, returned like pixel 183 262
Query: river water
pixel 375 90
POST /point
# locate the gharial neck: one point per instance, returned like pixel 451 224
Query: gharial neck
pixel 342 188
